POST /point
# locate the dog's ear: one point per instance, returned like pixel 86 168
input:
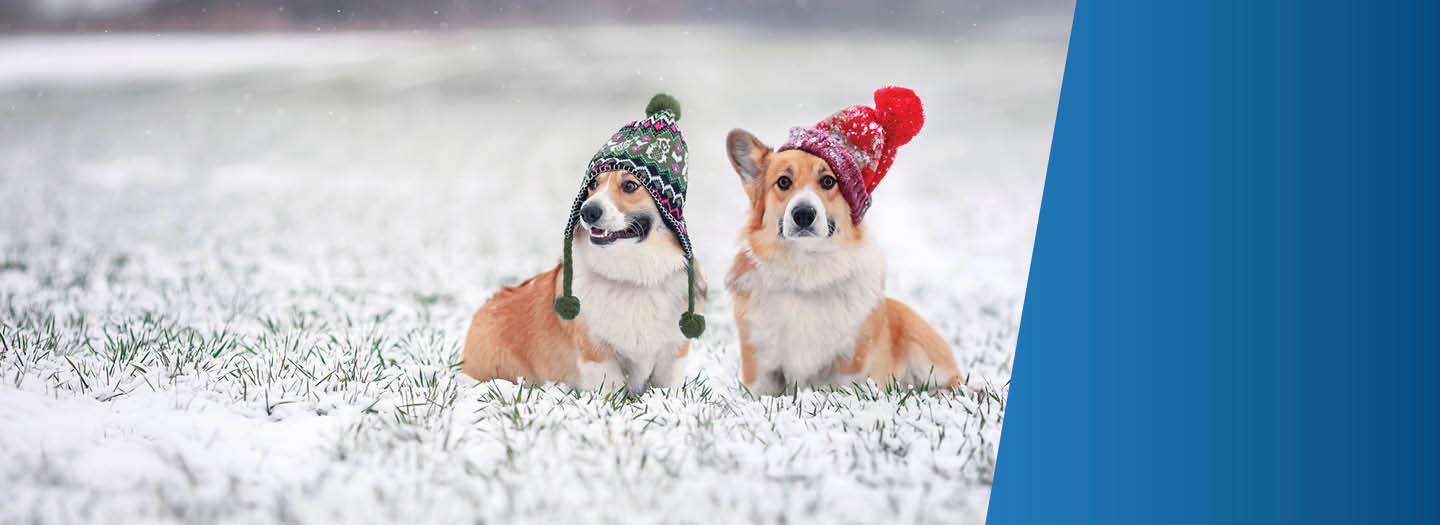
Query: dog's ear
pixel 747 155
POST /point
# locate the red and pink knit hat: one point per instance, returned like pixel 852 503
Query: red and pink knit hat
pixel 859 142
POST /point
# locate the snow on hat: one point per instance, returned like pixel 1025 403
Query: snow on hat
pixel 859 142
pixel 653 150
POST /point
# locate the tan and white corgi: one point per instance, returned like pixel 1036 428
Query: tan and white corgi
pixel 627 261
pixel 809 284
pixel 631 279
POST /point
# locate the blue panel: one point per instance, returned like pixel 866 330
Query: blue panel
pixel 1231 313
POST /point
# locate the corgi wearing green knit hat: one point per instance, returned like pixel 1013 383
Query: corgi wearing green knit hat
pixel 620 308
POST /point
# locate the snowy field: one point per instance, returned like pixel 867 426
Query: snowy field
pixel 236 271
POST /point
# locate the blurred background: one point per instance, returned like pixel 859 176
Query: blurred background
pixel 419 109
pixel 305 15
pixel 274 100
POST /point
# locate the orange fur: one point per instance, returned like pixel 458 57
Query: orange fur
pixel 740 300
pixel 517 333
pixel 893 342
pixel 893 337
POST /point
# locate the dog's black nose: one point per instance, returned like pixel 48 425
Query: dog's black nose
pixel 803 216
pixel 591 213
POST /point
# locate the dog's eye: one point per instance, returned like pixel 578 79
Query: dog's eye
pixel 629 186
pixel 783 183
pixel 591 185
pixel 827 182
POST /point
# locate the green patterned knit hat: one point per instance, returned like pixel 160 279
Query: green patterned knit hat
pixel 654 151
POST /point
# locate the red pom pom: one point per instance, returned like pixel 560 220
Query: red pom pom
pixel 900 114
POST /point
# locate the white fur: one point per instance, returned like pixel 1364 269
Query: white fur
pixel 669 373
pixel 807 309
pixel 604 376
pixel 631 296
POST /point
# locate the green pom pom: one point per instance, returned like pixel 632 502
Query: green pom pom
pixel 568 306
pixel 692 324
pixel 662 102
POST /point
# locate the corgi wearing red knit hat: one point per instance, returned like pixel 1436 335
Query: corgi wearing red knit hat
pixel 809 283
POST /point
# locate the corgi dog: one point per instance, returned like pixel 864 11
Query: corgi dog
pixel 627 260
pixel 630 278
pixel 808 285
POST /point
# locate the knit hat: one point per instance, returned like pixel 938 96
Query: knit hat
pixel 859 142
pixel 654 151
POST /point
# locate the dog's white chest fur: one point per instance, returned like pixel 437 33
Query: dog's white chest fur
pixel 807 311
pixel 633 305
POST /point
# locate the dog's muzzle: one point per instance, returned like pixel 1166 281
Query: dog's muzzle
pixel 804 221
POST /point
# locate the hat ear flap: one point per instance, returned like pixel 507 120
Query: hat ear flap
pixel 747 155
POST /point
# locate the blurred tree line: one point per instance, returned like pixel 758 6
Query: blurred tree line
pixel 249 15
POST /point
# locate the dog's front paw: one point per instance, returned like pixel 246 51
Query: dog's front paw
pixel 768 384
pixel 601 377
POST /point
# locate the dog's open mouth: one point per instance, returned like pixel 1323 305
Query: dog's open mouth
pixel 639 228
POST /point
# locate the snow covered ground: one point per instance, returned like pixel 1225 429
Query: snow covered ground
pixel 235 272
